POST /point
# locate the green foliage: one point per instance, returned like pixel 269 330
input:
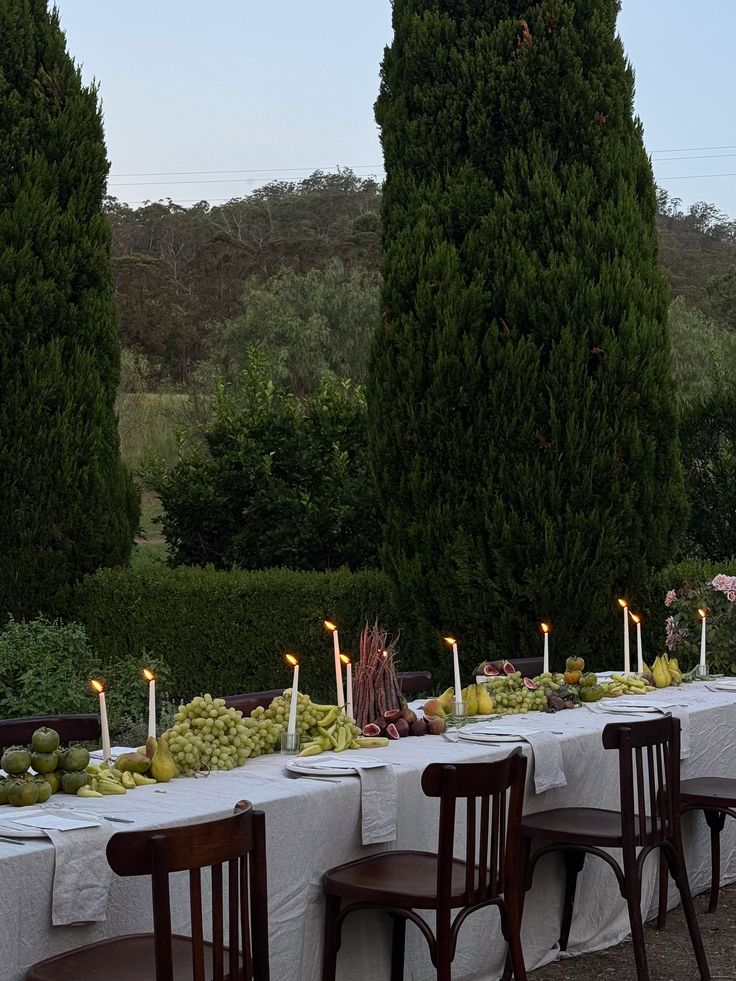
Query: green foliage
pixel 521 402
pixel 226 632
pixel 69 506
pixel 717 596
pixel 709 460
pixel 704 351
pixel 46 667
pixel 277 482
pixel 721 291
pixel 311 324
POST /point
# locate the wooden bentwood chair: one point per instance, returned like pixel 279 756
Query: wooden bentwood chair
pixel 240 842
pixel 400 882
pixel 716 797
pixel 649 781
pixel 71 729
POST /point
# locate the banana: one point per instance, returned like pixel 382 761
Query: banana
pixel 371 742
pixel 311 749
pixel 128 782
pixel 108 787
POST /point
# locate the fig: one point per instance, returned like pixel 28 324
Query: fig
pixel 371 729
pixel 381 723
pixel 418 728
pixel 508 668
pixel 555 702
pixel 390 715
pixel 402 727
pixel 490 670
pixel 408 715
pixel 531 685
pixel 392 732
pixel 435 727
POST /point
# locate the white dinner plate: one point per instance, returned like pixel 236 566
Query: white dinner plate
pixel 490 737
pixel 18 831
pixel 329 767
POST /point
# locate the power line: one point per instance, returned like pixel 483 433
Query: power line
pixel 693 177
pixel 259 170
pixel 695 149
pixel 707 156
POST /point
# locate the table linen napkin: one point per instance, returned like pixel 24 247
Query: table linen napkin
pixel 548 769
pixel 82 876
pixel 379 801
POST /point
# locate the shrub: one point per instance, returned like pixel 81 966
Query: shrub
pixel 226 632
pixel 276 483
pixel 46 667
pixel 709 460
pixel 717 596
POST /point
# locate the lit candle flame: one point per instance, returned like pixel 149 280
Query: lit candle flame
pixel 449 641
pixel 291 659
pixel 703 613
pixel 546 628
pixel 330 626
pixel 345 659
pixel 385 653
pixel 97 686
pixel 635 617
pixel 623 603
pixel 148 674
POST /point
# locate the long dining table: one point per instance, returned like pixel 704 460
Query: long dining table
pixel 314 824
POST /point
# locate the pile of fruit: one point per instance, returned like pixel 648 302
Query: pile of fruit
pixel 503 694
pixel 399 723
pixel 664 672
pixel 55 769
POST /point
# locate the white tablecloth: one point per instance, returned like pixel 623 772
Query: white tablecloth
pixel 313 825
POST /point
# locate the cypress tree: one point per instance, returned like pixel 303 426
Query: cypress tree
pixel 68 504
pixel 522 413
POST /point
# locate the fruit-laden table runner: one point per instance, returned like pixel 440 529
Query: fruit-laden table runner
pixel 313 825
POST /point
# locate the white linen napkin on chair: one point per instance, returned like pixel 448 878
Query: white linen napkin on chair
pixel 548 769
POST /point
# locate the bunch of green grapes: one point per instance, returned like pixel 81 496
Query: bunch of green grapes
pixel 519 702
pixel 306 712
pixel 209 736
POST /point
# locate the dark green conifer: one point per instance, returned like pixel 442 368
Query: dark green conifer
pixel 68 504
pixel 523 421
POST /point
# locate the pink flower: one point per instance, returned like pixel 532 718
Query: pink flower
pixel 675 634
pixel 731 596
pixel 672 595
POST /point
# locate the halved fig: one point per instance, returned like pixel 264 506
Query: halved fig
pixel 490 670
pixel 391 714
pixel 392 732
pixel 371 729
pixel 508 668
pixel 531 685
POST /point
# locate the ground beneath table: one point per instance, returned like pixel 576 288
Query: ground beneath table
pixel 669 951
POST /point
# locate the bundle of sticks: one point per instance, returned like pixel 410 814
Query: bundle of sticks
pixel 375 687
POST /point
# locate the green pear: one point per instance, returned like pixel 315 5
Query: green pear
pixel 163 767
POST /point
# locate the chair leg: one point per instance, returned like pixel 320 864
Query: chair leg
pixel 715 821
pixel 679 874
pixel 574 861
pixel 398 947
pixel 664 881
pixel 331 941
pixel 508 968
pixel 515 955
pixel 633 901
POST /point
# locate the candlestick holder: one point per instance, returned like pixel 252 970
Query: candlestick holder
pixel 290 743
pixel 459 710
pixel 701 671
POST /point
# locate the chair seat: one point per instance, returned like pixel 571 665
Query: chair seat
pixel 404 879
pixel 708 791
pixel 129 958
pixel 578 825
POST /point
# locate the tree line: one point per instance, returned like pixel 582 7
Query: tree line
pixel 294 268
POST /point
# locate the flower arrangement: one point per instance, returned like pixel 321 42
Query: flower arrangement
pixel 683 625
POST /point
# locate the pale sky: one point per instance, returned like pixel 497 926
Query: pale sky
pixel 274 89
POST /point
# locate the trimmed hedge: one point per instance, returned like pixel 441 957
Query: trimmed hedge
pixel 226 632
